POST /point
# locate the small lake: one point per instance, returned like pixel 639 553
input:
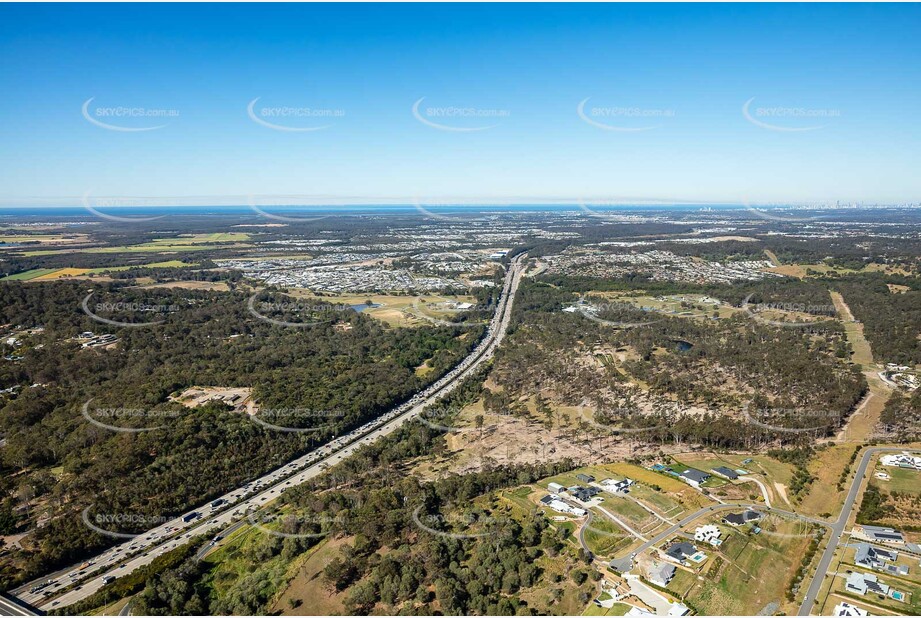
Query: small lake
pixel 683 346
pixel 363 306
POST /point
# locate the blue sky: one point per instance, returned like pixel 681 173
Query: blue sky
pixel 671 80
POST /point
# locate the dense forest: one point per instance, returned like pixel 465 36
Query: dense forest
pixel 781 376
pixel 55 462
pixel 391 564
pixel 891 319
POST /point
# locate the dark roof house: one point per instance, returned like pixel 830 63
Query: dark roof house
pixel 681 551
pixel 726 472
pixel 695 477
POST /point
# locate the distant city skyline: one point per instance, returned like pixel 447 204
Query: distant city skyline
pixel 759 104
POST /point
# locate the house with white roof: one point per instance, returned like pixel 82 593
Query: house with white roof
pixel 708 533
pixel 901 460
pixel 614 486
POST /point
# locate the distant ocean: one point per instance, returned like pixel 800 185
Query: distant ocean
pixel 71 212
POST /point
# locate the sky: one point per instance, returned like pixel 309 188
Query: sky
pixel 446 102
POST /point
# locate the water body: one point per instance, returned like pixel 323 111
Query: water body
pixel 682 345
pixel 363 306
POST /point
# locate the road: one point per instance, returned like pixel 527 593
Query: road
pixel 9 607
pixel 80 581
pixel 838 526
pixel 721 507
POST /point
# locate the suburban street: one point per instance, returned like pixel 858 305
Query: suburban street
pixel 838 526
pixel 80 581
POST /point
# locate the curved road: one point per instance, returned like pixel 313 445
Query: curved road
pixel 74 584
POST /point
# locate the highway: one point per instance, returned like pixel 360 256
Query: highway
pixel 78 582
pixel 9 607
pixel 838 526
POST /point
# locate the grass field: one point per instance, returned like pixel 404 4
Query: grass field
pixel 50 274
pixel 903 481
pixel 823 495
pixel 28 275
pixel 633 513
pixel 194 242
pixel 309 587
pixel 618 609
pixel 605 538
pixel 745 575
pixel 401 311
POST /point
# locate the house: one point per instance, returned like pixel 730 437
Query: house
pixel 555 488
pixel 662 574
pixel 708 534
pixel 638 612
pixel 726 473
pixel 902 460
pixel 613 486
pixel 740 519
pixel 693 477
pixel 680 552
pixel 878 559
pixel 678 609
pixel 846 609
pixel 882 535
pixel 862 583
pixel 584 494
pixel 561 507
pixel 586 478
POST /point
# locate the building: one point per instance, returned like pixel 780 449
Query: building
pixel 638 612
pixel 881 534
pixel 901 460
pixel 681 552
pixel 726 473
pixel 862 583
pixel 740 519
pixel 662 574
pixel 846 609
pixel 678 609
pixel 878 559
pixel 584 494
pixel 693 477
pixel 708 534
pixel 555 488
pixel 586 478
pixel 561 507
pixel 613 486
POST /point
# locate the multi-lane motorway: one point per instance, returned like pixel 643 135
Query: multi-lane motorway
pixel 80 581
